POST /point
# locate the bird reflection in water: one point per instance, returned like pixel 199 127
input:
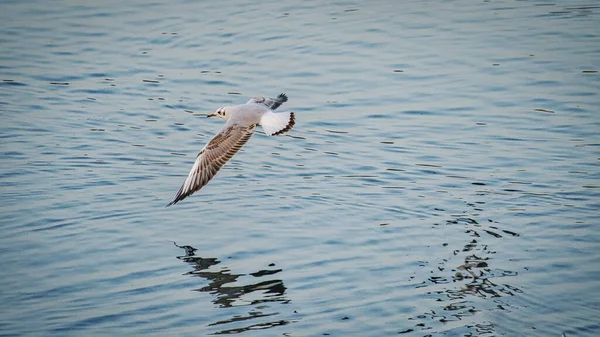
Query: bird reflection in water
pixel 258 295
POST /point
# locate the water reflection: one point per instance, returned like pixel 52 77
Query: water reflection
pixel 260 296
pixel 461 281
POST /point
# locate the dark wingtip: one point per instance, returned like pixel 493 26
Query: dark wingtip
pixel 175 200
pixel 283 97
pixel 289 126
pixel 178 196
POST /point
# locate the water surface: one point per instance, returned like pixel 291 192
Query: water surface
pixel 442 178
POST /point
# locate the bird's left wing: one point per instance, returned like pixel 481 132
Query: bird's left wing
pixel 213 156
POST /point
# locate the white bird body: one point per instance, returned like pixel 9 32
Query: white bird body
pixel 241 121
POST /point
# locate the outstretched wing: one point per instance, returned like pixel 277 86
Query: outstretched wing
pixel 277 123
pixel 213 156
pixel 271 103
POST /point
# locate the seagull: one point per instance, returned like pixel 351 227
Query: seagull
pixel 241 122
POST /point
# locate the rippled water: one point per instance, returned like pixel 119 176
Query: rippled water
pixel 442 178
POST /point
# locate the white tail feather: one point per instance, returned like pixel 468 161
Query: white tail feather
pixel 277 123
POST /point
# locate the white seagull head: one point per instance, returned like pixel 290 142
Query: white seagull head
pixel 221 112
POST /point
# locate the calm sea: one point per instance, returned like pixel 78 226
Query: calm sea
pixel 442 179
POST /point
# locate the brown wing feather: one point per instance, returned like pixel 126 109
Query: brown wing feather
pixel 212 157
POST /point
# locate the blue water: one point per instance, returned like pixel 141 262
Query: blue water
pixel 442 178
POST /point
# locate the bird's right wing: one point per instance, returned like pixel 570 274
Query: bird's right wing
pixel 271 103
pixel 213 156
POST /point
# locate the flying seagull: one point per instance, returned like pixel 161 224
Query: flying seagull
pixel 241 121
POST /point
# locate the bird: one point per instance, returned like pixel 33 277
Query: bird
pixel 241 121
